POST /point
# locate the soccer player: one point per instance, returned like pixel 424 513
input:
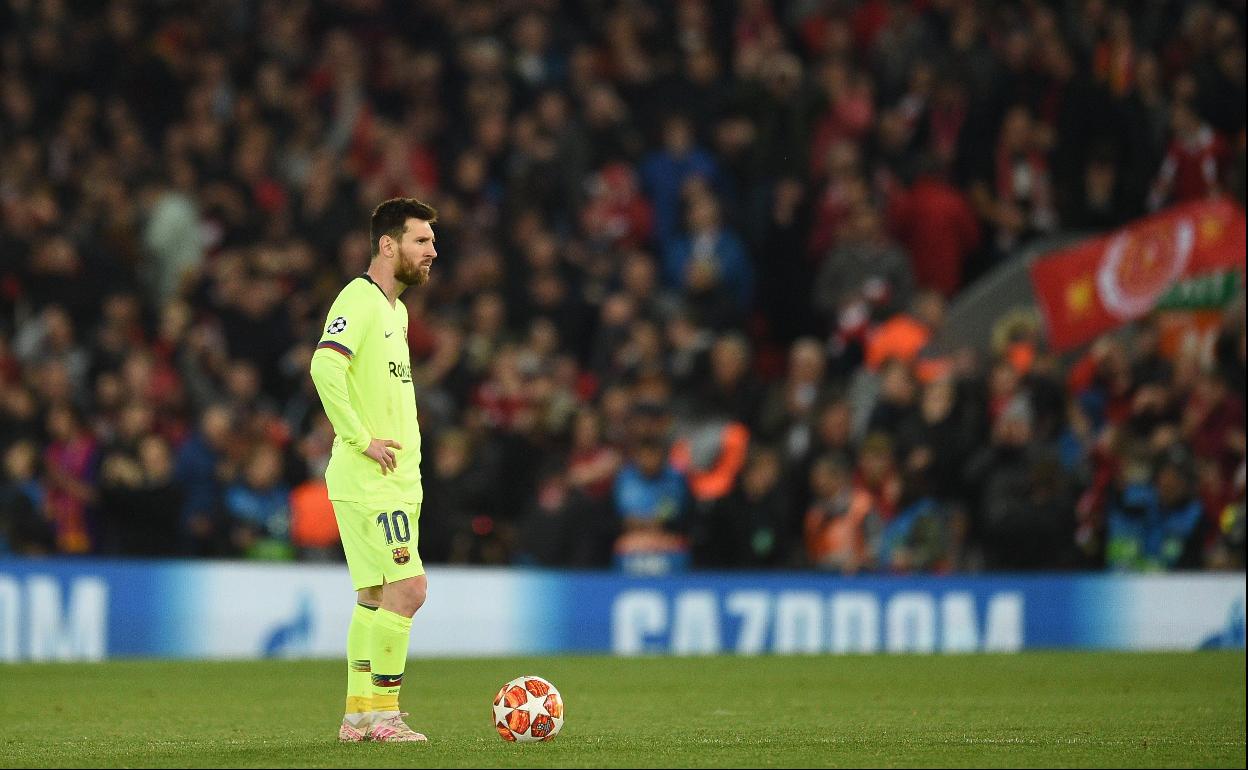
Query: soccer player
pixel 363 374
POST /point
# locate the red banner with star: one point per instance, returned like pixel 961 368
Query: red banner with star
pixel 1098 285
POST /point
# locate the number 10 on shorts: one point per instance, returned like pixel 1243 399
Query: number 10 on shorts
pixel 396 526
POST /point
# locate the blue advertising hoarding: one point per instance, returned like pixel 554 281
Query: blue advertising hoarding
pixel 83 609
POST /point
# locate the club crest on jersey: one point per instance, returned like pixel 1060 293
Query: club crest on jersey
pixel 336 325
pixel 402 555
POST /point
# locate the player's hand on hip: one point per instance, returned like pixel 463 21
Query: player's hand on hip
pixel 380 450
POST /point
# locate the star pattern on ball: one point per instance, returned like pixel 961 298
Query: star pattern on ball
pixel 336 325
pixel 500 713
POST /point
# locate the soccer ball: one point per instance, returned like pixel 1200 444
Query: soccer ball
pixel 527 709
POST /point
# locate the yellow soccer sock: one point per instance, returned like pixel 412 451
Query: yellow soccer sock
pixel 359 670
pixel 389 657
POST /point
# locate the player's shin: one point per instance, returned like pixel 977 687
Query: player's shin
pixel 359 668
pixel 388 653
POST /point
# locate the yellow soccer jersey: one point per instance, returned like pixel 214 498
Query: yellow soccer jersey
pixel 363 374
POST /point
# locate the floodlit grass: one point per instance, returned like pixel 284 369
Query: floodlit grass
pixel 1033 709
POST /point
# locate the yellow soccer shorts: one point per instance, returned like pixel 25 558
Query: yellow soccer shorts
pixel 380 545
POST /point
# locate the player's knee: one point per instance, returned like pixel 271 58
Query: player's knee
pixel 416 597
pixel 411 595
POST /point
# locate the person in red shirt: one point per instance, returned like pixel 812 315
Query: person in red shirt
pixel 938 227
pixel 592 463
pixel 616 213
pixel 1213 423
pixel 1194 163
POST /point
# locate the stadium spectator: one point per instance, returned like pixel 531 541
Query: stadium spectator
pixel 757 526
pixel 1194 164
pixel 616 215
pixel 592 463
pixel 841 525
pixel 551 533
pixel 864 267
pixel 69 462
pixel 653 502
pixel 938 229
pixel 139 498
pixel 711 452
pixel 1228 544
pixel 878 476
pixel 665 172
pixel 731 390
pixel 790 404
pixel 936 440
pixel 1156 523
pixel 24 526
pixel 709 263
pixel 1014 192
pixel 257 507
pixel 904 336
pixel 460 483
pixel 1023 512
pixel 313 529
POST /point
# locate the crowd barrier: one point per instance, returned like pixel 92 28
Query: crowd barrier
pixel 87 609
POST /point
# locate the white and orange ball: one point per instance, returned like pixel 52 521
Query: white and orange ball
pixel 528 709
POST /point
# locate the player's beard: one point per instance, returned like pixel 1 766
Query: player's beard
pixel 411 273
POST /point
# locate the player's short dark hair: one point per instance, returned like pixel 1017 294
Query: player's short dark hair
pixel 390 216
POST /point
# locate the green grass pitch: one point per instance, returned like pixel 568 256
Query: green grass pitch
pixel 1033 709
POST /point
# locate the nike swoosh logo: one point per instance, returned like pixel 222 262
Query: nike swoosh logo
pixel 388 334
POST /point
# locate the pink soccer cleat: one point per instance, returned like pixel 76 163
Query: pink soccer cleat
pixel 393 730
pixel 349 733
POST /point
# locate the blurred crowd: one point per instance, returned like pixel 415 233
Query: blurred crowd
pixel 693 256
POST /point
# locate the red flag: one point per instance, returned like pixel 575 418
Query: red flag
pixel 1104 282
